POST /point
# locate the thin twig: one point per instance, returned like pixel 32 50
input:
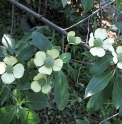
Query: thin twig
pixel 45 8
pixel 87 32
pixel 88 16
pixel 82 62
pixel 12 23
pixel 79 73
pixel 109 118
pixel 62 43
pixel 100 7
pixel 39 6
pixel 38 16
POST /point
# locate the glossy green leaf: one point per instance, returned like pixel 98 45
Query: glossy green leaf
pixel 117 92
pixel 64 2
pixel 41 42
pixel 98 83
pixel 65 57
pixel 29 117
pixel 7 114
pixel 98 99
pixel 101 64
pixel 95 101
pixel 61 94
pixel 19 111
pixel 3 51
pixel 87 4
pixel 26 53
pixel 20 46
pixel 27 37
pixel 36 101
pixel 9 43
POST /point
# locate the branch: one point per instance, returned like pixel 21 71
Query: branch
pixel 89 16
pixel 82 62
pixel 12 20
pixel 38 16
pixel 109 118
pixel 49 23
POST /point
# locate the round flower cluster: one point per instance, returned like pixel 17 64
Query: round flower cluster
pixel 72 39
pixel 47 62
pixel 10 70
pixel 99 43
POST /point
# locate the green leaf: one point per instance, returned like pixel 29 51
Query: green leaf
pixel 95 101
pixel 78 121
pixel 26 86
pixel 65 57
pixel 29 117
pixel 116 26
pixel 7 114
pixel 102 64
pixel 9 43
pixel 20 46
pixel 26 53
pixel 4 93
pixel 87 4
pixel 3 51
pixel 89 55
pixel 98 99
pixel 36 101
pixel 64 2
pixel 117 3
pixel 41 42
pixel 98 83
pixel 61 94
pixel 25 77
pixel 120 110
pixel 27 37
pixel 117 92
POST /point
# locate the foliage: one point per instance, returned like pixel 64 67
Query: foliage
pixel 64 98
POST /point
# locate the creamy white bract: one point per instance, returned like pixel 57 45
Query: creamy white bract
pixel 99 43
pixel 117 56
pixel 72 39
pixel 48 61
pixel 40 84
pixel 9 70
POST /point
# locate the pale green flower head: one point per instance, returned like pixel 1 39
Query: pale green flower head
pixel 99 42
pixel 10 70
pixel 72 39
pixel 48 61
pixel 40 84
pixel 117 56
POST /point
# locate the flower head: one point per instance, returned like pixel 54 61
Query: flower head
pixel 48 61
pixel 117 56
pixel 40 84
pixel 98 42
pixel 72 39
pixel 9 70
